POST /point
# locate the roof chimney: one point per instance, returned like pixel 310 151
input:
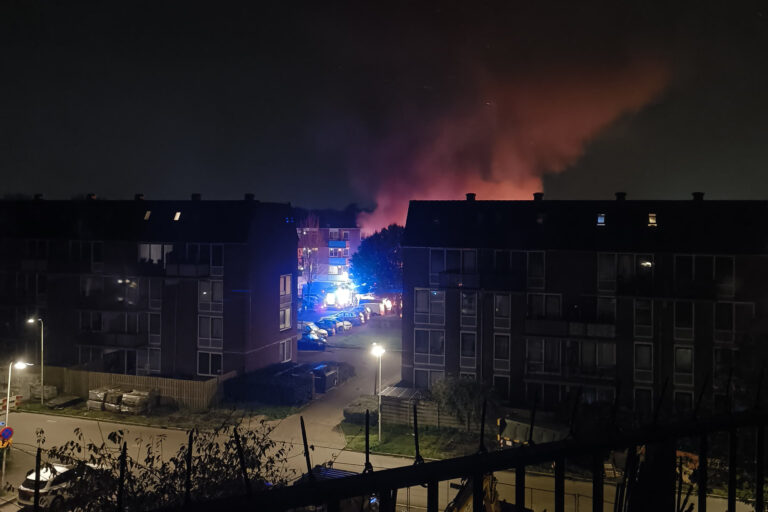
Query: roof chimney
pixel 471 196
pixel 698 196
pixel 249 197
pixel 138 197
pixel 90 196
pixel 621 196
pixel 538 196
pixel 38 197
pixel 197 196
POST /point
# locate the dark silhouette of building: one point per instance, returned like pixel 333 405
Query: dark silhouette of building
pixel 547 297
pixel 173 288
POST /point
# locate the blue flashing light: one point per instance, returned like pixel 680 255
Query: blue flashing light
pixel 319 367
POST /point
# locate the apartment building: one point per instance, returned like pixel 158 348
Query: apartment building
pixel 542 298
pixel 327 241
pixel 173 288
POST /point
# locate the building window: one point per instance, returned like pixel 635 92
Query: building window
pixel 285 285
pixel 544 306
pixel 643 362
pixel 501 352
pixel 643 402
pixel 345 235
pixel 147 214
pixel 468 309
pixel 468 261
pixel 91 321
pixel 725 360
pixel 429 346
pixel 154 329
pixel 333 234
pixel 91 286
pixel 285 318
pixel 683 401
pixel 542 356
pixel 210 291
pixel 468 349
pixel 176 216
pixel 502 311
pixel 210 331
pixel 436 264
pixel 724 276
pixel 285 350
pixel 601 219
pixel 429 306
pixel 421 378
pixel 652 220
pixel 155 254
pixel 643 318
pixel 208 363
pixel 501 261
pixel 606 272
pixel 606 310
pixel 501 386
pixel 536 269
pixel 683 320
pixel 684 366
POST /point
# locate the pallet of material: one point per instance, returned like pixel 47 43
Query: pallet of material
pixel 130 409
pixel 48 391
pixel 112 407
pixel 95 405
pixel 97 394
pixel 113 397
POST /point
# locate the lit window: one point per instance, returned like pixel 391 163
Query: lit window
pixel 147 214
pixel 652 220
pixel 177 216
pixel 601 219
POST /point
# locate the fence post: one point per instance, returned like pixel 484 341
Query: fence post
pixel 702 473
pixel 188 476
pixel 121 483
pixel 560 485
pixel 241 456
pixel 760 469
pixel 432 502
pixel 520 487
pixel 597 482
pixel 37 480
pixel 732 447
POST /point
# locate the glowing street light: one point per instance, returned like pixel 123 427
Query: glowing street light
pixel 32 320
pixel 19 365
pixel 378 351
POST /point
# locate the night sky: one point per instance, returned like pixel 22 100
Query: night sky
pixel 325 104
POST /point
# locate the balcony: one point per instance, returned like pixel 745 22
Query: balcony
pixel 337 261
pixel 337 244
pixel 188 270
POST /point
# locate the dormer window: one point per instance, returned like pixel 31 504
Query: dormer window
pixel 177 216
pixel 601 219
pixel 652 220
pixel 147 214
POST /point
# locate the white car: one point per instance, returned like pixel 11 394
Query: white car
pixel 55 487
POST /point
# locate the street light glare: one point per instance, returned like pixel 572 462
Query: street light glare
pixel 30 320
pixel 20 365
pixel 377 350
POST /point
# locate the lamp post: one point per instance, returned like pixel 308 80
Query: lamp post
pixel 378 351
pixel 42 387
pixel 19 365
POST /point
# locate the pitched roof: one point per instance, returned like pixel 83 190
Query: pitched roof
pixel 204 221
pixel 682 226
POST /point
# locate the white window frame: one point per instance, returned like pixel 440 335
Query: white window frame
pixel 428 358
pixel 466 361
pixel 210 357
pixel 634 396
pixel 285 353
pixel 639 374
pixel 612 287
pixel 502 364
pixel 683 378
pixel 684 333
pixel 468 320
pixel 209 342
pixel 559 314
pixel 284 326
pixel 285 285
pixel 502 322
pixel 542 370
pixel 645 331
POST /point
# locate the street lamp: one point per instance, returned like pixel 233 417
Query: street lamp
pixel 19 365
pixel 42 387
pixel 378 351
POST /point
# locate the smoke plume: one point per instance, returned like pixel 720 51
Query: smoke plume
pixel 500 139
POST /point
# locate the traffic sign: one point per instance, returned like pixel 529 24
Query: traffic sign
pixel 6 434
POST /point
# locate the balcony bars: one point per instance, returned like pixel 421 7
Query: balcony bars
pixel 386 482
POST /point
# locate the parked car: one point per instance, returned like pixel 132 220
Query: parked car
pixel 352 317
pixel 310 327
pixel 56 486
pixel 311 341
pixel 376 305
pixel 345 325
pixel 364 310
pixel 327 324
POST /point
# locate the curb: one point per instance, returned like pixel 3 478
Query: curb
pixel 133 423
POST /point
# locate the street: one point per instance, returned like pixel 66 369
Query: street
pixel 322 417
